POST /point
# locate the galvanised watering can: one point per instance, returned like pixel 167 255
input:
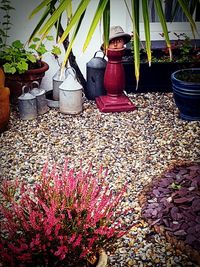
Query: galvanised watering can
pixel 27 105
pixel 95 77
pixel 40 95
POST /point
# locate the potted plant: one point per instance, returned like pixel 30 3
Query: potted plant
pixel 65 218
pixel 186 92
pixel 157 77
pixel 23 65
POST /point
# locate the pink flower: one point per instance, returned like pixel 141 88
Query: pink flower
pixel 64 215
pixel 61 252
pixel 77 242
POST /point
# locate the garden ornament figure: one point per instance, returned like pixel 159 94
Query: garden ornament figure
pixel 117 38
pixel 114 78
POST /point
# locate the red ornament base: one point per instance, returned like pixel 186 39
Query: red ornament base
pixel 108 103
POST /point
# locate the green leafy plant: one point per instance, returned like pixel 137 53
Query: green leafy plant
pixel 19 57
pixel 16 58
pixel 182 49
pixel 61 219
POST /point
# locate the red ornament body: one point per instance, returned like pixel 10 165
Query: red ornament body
pixel 114 83
pixel 114 78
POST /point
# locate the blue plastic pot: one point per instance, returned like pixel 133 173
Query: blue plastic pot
pixel 186 92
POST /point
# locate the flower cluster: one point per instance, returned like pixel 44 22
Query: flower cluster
pixel 61 218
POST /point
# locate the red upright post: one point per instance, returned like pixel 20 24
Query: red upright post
pixel 114 83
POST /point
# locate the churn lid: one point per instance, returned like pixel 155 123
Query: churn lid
pixel 71 83
pixel 60 75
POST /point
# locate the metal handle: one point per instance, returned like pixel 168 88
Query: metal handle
pixel 99 51
pixel 73 73
pixel 23 89
pixel 35 82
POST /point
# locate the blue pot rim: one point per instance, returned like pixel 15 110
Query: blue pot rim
pixel 173 76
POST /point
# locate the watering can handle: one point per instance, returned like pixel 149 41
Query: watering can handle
pixel 73 73
pixel 35 82
pixel 23 89
pixel 99 51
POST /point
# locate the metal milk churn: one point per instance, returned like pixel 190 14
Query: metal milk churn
pixel 95 77
pixel 58 78
pixel 41 100
pixel 71 94
pixel 27 105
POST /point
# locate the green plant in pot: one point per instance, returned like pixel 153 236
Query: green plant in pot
pixel 23 65
pixel 64 219
pixel 157 78
pixel 186 92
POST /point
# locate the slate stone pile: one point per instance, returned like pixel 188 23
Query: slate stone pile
pixel 173 203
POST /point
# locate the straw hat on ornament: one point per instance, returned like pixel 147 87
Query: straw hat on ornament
pixel 118 32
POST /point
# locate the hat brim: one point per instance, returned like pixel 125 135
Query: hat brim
pixel 125 36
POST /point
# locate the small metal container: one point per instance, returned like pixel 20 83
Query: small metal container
pixel 27 105
pixel 41 100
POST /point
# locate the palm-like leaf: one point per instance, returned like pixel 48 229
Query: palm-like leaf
pixel 162 19
pixel 184 6
pixel 40 23
pixel 76 18
pixel 136 40
pixel 54 17
pixel 44 3
pixel 147 29
pixel 106 25
pixel 97 16
pixel 71 42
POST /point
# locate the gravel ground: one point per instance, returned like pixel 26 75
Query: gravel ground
pixel 135 146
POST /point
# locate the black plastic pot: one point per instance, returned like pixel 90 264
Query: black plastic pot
pixel 156 78
pixel 186 92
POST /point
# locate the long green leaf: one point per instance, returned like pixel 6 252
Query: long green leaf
pixel 162 19
pixel 106 25
pixel 147 29
pixel 75 19
pixel 73 37
pixel 136 43
pixel 97 16
pixel 54 17
pixel 40 23
pixel 69 9
pixel 185 8
pixel 39 7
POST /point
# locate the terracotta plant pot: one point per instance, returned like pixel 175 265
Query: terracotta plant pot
pixel 4 108
pixel 4 103
pixel 16 81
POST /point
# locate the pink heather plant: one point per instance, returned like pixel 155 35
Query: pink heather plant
pixel 60 219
